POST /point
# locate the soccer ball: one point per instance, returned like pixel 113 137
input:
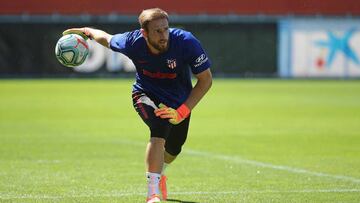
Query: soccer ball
pixel 71 50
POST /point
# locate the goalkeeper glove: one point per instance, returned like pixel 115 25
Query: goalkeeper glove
pixel 175 116
pixel 83 32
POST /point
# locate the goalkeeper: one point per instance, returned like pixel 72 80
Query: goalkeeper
pixel 163 94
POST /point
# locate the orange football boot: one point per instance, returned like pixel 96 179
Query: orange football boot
pixel 162 187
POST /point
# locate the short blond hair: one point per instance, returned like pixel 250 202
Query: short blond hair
pixel 151 14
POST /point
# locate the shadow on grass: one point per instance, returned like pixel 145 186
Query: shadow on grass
pixel 180 201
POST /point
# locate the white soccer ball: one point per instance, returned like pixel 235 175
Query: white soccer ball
pixel 71 50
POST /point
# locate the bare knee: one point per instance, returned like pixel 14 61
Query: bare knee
pixel 157 141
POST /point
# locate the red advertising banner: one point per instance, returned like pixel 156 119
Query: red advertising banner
pixel 182 7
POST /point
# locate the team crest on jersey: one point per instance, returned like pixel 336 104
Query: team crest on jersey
pixel 171 63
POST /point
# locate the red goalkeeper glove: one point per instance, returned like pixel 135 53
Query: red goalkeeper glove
pixel 175 116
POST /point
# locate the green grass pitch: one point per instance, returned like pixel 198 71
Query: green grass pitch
pixel 249 141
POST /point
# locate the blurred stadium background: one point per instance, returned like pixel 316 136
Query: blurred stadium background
pixel 256 140
pixel 276 38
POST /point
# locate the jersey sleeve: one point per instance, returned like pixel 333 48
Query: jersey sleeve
pixel 196 56
pixel 124 42
pixel 120 43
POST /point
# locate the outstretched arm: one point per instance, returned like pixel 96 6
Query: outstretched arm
pixel 99 36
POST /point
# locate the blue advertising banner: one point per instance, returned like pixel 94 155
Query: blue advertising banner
pixel 319 48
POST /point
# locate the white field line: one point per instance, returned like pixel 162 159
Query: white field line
pixel 123 194
pixel 238 160
pixel 233 159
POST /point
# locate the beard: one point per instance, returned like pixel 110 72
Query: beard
pixel 161 45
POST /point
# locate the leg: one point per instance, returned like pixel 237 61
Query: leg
pixel 154 162
pixel 168 158
pixel 155 155
pixel 176 140
pixel 159 129
pixel 173 146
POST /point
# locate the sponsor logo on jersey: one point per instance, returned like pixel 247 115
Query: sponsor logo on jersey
pixel 171 63
pixel 200 60
pixel 159 75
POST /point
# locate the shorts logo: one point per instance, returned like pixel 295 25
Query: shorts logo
pixel 171 63
pixel 200 60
